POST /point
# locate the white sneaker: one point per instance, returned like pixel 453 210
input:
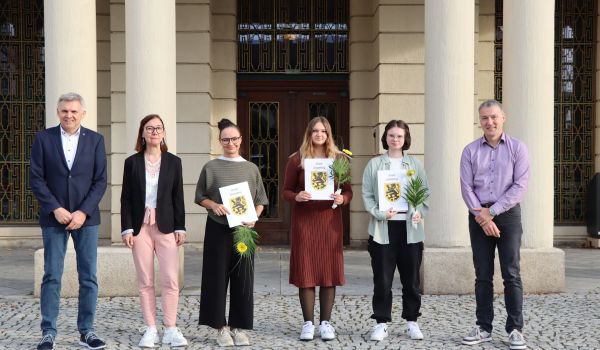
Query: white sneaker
pixel 239 337
pixel 379 332
pixel 413 331
pixel 149 338
pixel 308 331
pixel 516 340
pixel 327 331
pixel 476 336
pixel 174 337
pixel 224 337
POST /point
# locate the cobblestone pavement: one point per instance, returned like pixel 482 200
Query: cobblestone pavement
pixel 560 321
pixel 556 321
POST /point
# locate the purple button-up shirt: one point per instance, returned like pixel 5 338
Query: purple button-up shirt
pixel 497 175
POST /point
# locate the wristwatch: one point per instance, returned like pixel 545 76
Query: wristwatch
pixel 492 212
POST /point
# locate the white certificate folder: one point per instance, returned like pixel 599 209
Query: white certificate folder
pixel 317 178
pixel 238 200
pixel 390 187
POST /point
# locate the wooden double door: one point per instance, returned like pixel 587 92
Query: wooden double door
pixel 273 116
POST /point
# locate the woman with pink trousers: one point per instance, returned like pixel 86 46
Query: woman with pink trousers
pixel 153 223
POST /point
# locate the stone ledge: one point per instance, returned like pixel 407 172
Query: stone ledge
pixel 593 242
pixel 451 271
pixel 116 272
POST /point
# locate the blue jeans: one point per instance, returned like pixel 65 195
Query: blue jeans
pixel 508 245
pixel 85 240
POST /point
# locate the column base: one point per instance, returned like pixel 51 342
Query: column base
pixel 115 273
pixel 451 271
pixel 593 242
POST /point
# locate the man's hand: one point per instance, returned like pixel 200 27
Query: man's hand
pixel 484 216
pixel 77 220
pixel 62 215
pixel 491 229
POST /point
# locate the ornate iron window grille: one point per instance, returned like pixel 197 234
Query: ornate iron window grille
pixel 574 112
pixel 22 110
pixel 293 36
pixel 264 145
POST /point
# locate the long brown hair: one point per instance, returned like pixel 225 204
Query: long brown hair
pixel 139 146
pixel 307 149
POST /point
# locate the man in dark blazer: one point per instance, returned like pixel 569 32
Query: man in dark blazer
pixel 68 177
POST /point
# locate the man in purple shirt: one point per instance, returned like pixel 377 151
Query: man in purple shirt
pixel 494 171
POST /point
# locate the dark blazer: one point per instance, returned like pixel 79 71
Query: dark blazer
pixel 170 210
pixel 55 186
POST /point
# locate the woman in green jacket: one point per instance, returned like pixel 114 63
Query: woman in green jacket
pixel 396 238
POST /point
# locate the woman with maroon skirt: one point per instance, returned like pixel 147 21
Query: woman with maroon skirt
pixel 316 257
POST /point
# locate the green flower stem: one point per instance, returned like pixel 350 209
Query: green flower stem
pixel 247 236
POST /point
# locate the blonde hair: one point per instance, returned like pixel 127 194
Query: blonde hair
pixel 307 150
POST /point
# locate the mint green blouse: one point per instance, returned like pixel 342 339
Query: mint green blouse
pixel 378 227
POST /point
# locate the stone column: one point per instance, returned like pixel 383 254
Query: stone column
pixel 449 87
pixel 150 65
pixel 449 94
pixel 70 54
pixel 150 74
pixel 528 96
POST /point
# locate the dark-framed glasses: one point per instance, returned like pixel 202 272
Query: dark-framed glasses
pixel 227 140
pixel 153 129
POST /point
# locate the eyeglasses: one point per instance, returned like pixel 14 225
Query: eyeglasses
pixel 151 129
pixel 228 140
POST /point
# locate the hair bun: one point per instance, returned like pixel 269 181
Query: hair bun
pixel 225 123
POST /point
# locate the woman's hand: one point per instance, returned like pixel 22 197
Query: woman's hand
pixel 128 240
pixel 249 224
pixel 338 199
pixel 180 238
pixel 390 213
pixel 219 209
pixel 417 218
pixel 303 196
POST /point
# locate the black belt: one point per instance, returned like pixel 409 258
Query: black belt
pixel 486 205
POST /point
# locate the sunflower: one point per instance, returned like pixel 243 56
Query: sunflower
pixel 241 247
pixel 244 241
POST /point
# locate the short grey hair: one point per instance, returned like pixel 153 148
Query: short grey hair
pixel 491 103
pixel 71 96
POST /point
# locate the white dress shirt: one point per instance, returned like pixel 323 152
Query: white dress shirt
pixel 69 144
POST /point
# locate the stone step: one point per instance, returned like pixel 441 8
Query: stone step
pixel 593 242
pixel 116 272
pixel 451 271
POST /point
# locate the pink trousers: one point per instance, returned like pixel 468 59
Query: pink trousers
pixel 148 242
